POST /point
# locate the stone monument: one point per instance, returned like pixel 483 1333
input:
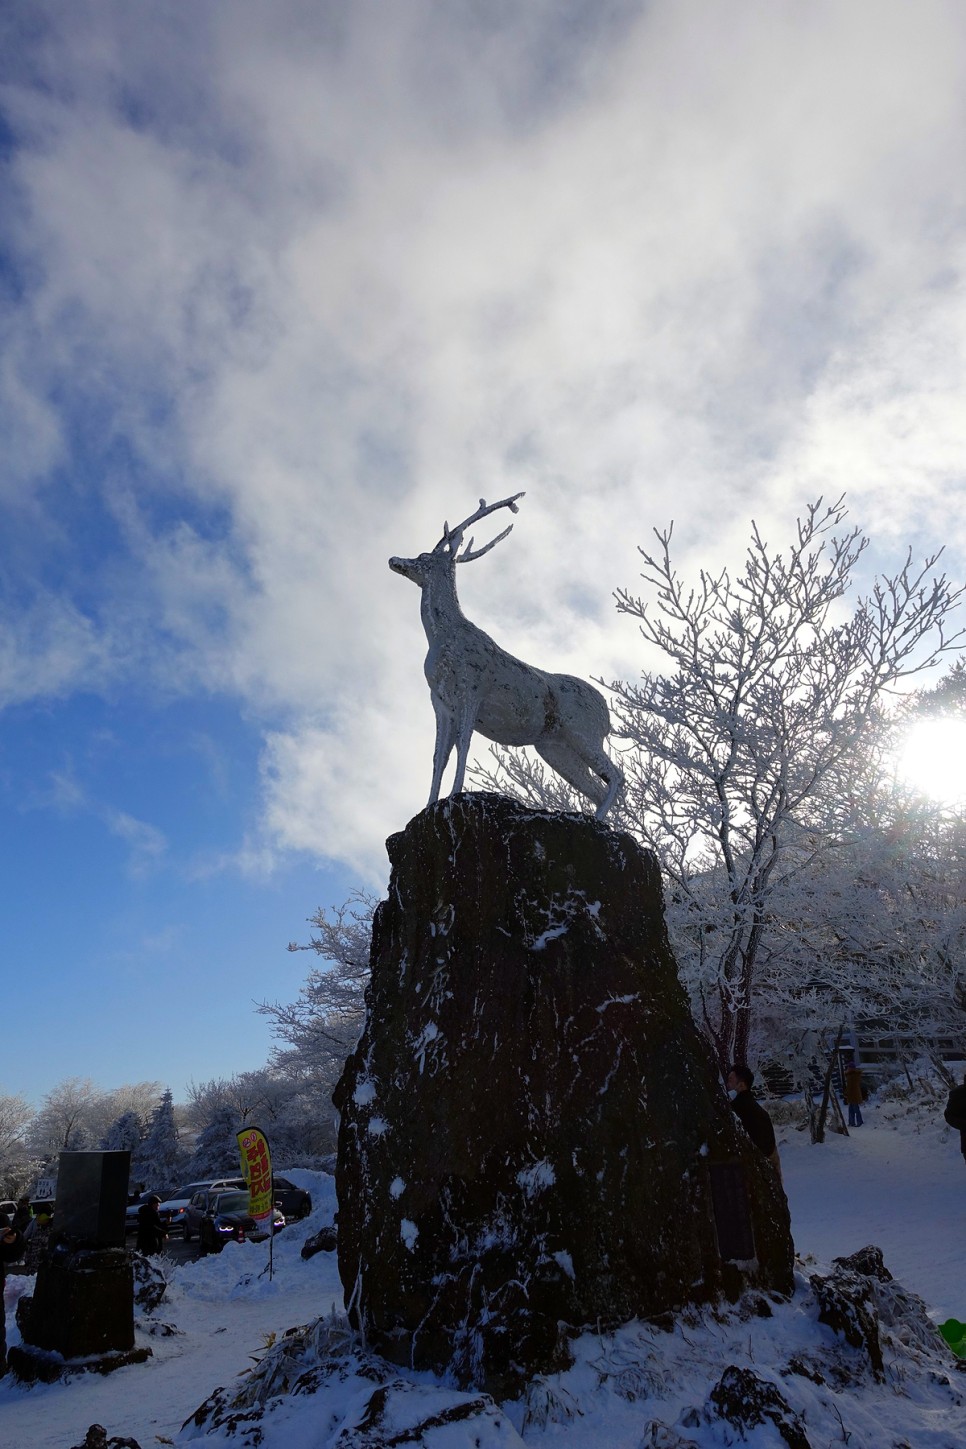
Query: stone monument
pixel 81 1313
pixel 533 1134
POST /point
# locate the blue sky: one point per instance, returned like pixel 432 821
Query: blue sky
pixel 282 287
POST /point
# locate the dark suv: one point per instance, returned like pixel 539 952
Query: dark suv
pixel 295 1202
pixel 220 1216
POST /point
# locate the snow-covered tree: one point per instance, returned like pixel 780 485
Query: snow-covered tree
pixel 770 691
pixel 63 1123
pixel 138 1099
pixel 321 1027
pixel 159 1158
pixel 318 1030
pixel 124 1133
pixel 216 1146
pixel 294 1111
pixel 15 1116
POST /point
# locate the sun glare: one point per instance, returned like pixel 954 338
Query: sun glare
pixel 933 758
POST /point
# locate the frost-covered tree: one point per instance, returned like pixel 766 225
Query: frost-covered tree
pixel 897 928
pixel 160 1159
pixel 770 690
pixel 124 1133
pixel 137 1099
pixel 16 1114
pixel 321 1027
pixel 216 1146
pixel 294 1111
pixel 76 1114
pixel 63 1123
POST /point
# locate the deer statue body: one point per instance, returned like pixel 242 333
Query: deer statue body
pixel 476 685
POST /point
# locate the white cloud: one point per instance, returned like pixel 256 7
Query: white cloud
pixel 147 845
pixel 332 274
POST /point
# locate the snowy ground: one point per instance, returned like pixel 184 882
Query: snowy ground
pixel 899 1182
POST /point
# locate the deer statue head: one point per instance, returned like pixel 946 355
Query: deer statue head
pixel 445 555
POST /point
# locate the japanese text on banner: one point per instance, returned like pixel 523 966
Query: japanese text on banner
pixel 256 1163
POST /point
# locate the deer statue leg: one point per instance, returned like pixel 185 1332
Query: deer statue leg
pixel 445 739
pixel 563 758
pixel 584 768
pixel 612 776
pixel 465 724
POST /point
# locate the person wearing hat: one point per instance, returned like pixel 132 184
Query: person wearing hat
pixel 151 1230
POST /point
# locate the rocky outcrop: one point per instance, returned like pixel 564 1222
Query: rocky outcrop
pixel 533 1136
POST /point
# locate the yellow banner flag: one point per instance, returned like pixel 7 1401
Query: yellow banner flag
pixel 256 1161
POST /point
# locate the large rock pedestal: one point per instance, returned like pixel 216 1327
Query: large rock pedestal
pixel 531 1124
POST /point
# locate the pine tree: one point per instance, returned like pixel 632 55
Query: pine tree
pixel 124 1134
pixel 160 1159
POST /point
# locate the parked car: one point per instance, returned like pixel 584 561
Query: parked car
pixel 7 1208
pixel 295 1202
pixel 217 1217
pixel 177 1203
pixel 134 1207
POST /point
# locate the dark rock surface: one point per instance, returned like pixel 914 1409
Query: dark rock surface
pixel 97 1438
pixel 745 1400
pixel 529 1119
pixel 82 1304
pixel 847 1304
pixel 150 1284
pixel 326 1240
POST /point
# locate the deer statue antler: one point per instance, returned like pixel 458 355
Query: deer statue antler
pixel 453 537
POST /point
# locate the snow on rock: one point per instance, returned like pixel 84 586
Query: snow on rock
pixel 539 1175
pixel 708 1378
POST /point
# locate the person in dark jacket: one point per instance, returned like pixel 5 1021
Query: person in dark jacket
pixel 752 1115
pixel 955 1114
pixel 11 1248
pixel 22 1214
pixel 151 1230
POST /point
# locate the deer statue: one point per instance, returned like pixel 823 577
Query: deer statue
pixel 476 685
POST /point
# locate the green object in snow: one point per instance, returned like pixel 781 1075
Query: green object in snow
pixel 954 1333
